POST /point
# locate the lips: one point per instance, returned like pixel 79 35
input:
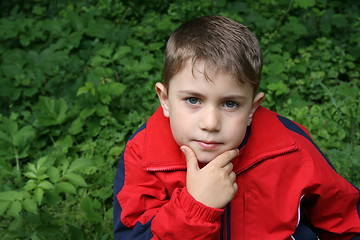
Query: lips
pixel 207 145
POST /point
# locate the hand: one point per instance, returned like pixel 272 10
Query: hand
pixel 214 185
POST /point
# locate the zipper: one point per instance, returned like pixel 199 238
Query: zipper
pixel 225 230
pixel 165 169
pixel 228 222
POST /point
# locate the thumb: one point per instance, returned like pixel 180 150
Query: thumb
pixel 191 160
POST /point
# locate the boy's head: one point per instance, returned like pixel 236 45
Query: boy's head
pixel 219 42
pixel 212 73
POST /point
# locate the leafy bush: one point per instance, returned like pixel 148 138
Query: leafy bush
pixel 77 78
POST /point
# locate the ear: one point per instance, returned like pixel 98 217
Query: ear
pixel 161 91
pixel 259 97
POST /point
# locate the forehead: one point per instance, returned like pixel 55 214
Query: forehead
pixel 207 77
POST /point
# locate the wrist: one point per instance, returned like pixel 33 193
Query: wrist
pixel 197 209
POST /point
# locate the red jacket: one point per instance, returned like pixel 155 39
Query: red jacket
pixel 286 188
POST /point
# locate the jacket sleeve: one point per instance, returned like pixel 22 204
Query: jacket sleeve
pixel 144 209
pixel 332 204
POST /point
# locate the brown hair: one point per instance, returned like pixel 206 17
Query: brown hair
pixel 218 41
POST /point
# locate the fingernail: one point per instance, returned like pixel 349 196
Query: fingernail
pixel 182 148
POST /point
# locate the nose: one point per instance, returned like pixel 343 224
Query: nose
pixel 210 120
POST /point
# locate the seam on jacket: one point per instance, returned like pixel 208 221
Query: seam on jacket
pixel 295 128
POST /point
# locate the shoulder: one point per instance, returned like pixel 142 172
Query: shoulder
pixel 276 125
pixel 280 129
pixel 273 131
pixel 151 135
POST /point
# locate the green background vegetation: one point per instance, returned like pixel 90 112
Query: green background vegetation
pixel 77 78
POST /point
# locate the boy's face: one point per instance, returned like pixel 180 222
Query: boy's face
pixel 210 117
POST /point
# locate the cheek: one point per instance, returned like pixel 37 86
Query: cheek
pixel 236 132
pixel 179 128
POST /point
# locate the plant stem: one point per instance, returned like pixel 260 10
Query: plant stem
pixel 17 159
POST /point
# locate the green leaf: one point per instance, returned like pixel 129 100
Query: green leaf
pixel 87 112
pixel 89 87
pixel 278 87
pixel 76 126
pixel 75 179
pixel 102 110
pixel 46 185
pixel 11 196
pixel 30 175
pixel 99 61
pixel 3 207
pixel 101 28
pixel 53 111
pixel 41 162
pixel 66 187
pixel 89 208
pixel 30 185
pixel 15 209
pixel 38 195
pixel 115 151
pixel 30 205
pixel 5 137
pixel 54 174
pixel 80 164
pixel 24 136
pixel 121 52
pixel 305 3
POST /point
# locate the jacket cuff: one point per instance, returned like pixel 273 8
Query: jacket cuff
pixel 197 209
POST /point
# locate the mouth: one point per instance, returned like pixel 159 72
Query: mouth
pixel 207 145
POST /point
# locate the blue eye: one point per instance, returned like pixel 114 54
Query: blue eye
pixel 193 100
pixel 231 104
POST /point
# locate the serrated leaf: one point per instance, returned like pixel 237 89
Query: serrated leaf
pixel 30 205
pixel 15 209
pixel 41 162
pixel 30 185
pixel 76 126
pixel 11 196
pixel 115 151
pixel 53 111
pixel 32 167
pixel 5 137
pixel 85 113
pixel 80 163
pixel 102 110
pixel 75 179
pixel 87 206
pixel 305 3
pixel 121 52
pixel 46 185
pixel 38 195
pixel 30 175
pixel 23 137
pixel 42 177
pixel 3 207
pixel 66 187
pixel 54 174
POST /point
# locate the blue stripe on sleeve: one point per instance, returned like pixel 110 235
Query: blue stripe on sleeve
pixel 140 231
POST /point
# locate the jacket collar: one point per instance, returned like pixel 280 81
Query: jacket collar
pixel 268 138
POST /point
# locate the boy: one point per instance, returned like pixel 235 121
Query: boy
pixel 211 163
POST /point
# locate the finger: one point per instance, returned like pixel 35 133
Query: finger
pixel 191 160
pixel 232 176
pixel 228 167
pixel 235 186
pixel 223 159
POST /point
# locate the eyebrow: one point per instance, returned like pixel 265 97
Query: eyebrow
pixel 197 94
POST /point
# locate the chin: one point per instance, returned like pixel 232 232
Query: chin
pixel 206 159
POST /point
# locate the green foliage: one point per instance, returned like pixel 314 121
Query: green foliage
pixel 77 78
